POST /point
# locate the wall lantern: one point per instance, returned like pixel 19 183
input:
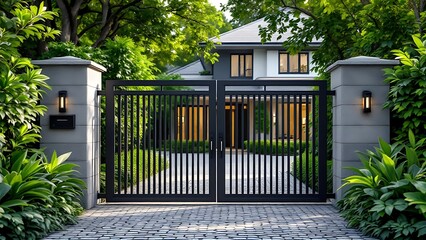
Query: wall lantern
pixel 366 101
pixel 274 118
pixel 62 101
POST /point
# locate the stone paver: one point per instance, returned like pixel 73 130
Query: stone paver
pixel 210 221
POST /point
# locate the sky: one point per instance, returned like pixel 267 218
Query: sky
pixel 217 3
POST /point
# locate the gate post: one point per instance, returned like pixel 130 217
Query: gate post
pixel 81 79
pixel 353 129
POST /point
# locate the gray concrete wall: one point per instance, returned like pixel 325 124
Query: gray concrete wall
pixel 81 79
pixel 354 130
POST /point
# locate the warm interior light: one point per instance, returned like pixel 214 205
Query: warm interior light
pixel 274 118
pixel 366 101
pixel 62 101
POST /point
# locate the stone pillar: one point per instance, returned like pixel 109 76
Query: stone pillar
pixel 81 79
pixel 354 130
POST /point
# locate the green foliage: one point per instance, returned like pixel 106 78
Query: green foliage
pixel 187 146
pixel 303 163
pixel 150 163
pixel 274 147
pixel 386 198
pixel 407 95
pixel 37 196
pixel 261 118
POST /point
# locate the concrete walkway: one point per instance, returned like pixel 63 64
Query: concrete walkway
pixel 210 221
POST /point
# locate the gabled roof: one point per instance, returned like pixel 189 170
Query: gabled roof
pixel 249 35
pixel 193 68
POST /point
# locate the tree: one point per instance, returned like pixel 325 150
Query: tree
pixel 166 29
pixel 347 28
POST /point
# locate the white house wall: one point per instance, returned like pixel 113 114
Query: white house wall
pixel 259 63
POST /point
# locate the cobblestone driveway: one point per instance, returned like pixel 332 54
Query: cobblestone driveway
pixel 210 221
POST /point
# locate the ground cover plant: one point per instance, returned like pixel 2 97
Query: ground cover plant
pixel 387 197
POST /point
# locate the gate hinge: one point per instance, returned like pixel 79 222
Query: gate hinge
pixel 100 93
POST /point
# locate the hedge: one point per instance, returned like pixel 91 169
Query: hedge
pixel 278 147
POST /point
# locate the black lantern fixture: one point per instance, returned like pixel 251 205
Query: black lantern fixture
pixel 62 101
pixel 366 101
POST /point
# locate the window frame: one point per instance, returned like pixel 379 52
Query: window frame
pixel 244 65
pixel 288 63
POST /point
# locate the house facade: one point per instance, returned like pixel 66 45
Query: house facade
pixel 242 56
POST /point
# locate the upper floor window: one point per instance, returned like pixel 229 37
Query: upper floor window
pixel 298 63
pixel 241 65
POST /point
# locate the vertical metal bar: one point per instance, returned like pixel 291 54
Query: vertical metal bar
pixel 306 128
pixel 126 143
pixel 149 144
pixel 187 145
pixel 299 125
pixel 271 128
pixel 248 143
pixel 154 153
pixel 212 134
pixel 243 130
pixel 138 140
pixel 205 111
pixel 259 165
pixel 144 145
pixel 236 130
pixel 110 141
pixel 178 124
pixel 264 142
pixel 198 144
pixel 165 119
pixel 192 143
pixel 132 142
pixel 283 162
pixel 120 145
pixel 231 143
pixel 322 141
pixel 182 126
pixel 295 142
pixel 288 104
pixel 171 120
pixel 159 140
pixel 276 144
pixel 314 140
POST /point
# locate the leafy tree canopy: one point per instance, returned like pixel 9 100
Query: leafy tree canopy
pixel 166 29
pixel 347 28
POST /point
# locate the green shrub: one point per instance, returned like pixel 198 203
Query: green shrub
pixel 37 196
pixel 387 198
pixel 303 166
pixel 407 95
pixel 144 169
pixel 278 147
pixel 189 146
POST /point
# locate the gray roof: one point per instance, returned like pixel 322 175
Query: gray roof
pixel 193 68
pixel 248 35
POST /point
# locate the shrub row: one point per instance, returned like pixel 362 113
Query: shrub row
pixel 149 165
pixel 187 146
pixel 387 197
pixel 274 147
pixel 308 180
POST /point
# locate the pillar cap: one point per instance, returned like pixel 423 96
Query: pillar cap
pixel 69 60
pixel 362 61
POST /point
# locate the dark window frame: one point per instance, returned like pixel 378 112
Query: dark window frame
pixel 244 75
pixel 288 63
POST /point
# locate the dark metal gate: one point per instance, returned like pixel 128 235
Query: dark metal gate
pixel 160 141
pixel 166 138
pixel 284 130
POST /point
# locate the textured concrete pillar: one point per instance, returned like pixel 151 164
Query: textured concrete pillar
pixel 81 79
pixel 354 130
